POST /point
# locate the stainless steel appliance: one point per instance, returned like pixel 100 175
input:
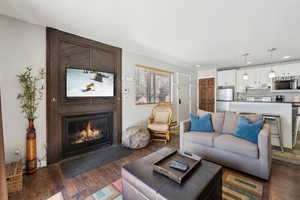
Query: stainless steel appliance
pixel 224 97
pixel 279 98
pixel 285 84
pixel 263 98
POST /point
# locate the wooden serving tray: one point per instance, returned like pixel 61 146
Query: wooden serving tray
pixel 162 166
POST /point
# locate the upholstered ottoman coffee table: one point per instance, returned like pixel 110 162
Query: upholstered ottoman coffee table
pixel 141 183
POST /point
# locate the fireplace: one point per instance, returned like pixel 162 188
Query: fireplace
pixel 85 133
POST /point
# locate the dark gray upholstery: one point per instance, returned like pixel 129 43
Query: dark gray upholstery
pixel 229 150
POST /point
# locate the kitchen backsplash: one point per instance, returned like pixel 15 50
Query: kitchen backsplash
pixel 289 96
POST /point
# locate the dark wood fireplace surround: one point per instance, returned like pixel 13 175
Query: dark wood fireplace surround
pixel 68 50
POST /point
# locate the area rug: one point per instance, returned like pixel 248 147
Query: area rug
pixel 57 196
pixel 75 167
pixel 235 187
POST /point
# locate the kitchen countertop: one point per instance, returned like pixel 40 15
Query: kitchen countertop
pixel 292 102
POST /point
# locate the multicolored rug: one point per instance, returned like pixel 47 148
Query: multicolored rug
pixel 235 187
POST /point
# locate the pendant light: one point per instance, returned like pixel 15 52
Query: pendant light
pixel 245 75
pixel 272 72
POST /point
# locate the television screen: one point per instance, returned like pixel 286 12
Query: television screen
pixel 88 83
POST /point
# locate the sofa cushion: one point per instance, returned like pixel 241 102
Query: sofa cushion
pixel 236 145
pixel 202 138
pixel 158 127
pixel 201 124
pixel 216 118
pixel 248 131
pixel 252 117
pixel 231 121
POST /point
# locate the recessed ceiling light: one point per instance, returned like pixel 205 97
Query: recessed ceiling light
pixel 249 62
pixel 198 65
pixel 286 57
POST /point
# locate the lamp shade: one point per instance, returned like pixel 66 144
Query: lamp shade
pixel 245 76
pixel 272 74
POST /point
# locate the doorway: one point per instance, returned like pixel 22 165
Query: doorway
pixel 184 96
pixel 207 94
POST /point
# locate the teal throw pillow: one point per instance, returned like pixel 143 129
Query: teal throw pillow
pixel 249 131
pixel 201 124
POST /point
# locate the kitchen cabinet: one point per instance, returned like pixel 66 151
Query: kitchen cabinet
pixel 227 78
pixel 257 79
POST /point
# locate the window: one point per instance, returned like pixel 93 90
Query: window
pixel 153 85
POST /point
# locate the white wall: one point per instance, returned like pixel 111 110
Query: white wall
pixel 137 115
pixel 209 73
pixel 21 44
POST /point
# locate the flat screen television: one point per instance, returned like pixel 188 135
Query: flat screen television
pixel 88 83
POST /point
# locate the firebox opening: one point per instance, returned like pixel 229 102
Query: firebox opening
pixel 87 132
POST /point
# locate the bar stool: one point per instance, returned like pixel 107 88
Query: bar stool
pixel 296 129
pixel 275 119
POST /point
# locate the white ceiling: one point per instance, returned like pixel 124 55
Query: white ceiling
pixel 212 33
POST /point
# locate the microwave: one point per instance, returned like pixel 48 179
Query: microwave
pixel 285 84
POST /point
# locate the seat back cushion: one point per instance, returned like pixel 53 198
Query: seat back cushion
pixel 162 117
pixel 216 118
pixel 248 131
pixel 231 121
pixel 252 117
pixel 201 124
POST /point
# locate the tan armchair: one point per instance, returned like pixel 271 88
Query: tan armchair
pixel 160 121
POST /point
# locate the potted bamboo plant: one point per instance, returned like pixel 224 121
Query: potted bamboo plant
pixel 30 96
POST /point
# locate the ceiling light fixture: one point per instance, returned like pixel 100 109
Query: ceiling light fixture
pixel 272 73
pixel 197 65
pixel 245 75
pixel 286 57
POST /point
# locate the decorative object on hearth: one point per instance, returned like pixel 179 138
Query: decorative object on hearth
pixel 30 96
pixel 136 137
pixel 14 176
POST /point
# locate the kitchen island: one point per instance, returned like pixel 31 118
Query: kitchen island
pixel 284 109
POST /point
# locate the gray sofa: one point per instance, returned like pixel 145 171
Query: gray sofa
pixel 224 148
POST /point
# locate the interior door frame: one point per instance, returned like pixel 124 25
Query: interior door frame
pixel 177 94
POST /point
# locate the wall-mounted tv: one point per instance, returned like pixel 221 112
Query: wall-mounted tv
pixel 88 83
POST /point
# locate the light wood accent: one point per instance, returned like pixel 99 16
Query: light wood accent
pixel 3 185
pixel 154 69
pixel 207 94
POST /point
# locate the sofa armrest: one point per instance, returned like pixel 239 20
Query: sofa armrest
pixel 185 126
pixel 265 150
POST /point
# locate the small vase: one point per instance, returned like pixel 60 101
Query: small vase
pixel 31 157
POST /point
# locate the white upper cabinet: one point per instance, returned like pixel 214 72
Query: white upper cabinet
pixel 227 78
pixel 257 79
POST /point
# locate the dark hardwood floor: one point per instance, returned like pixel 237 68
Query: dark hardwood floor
pixel 283 185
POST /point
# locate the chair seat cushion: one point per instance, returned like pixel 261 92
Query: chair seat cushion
pixel 158 127
pixel 236 145
pixel 203 138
